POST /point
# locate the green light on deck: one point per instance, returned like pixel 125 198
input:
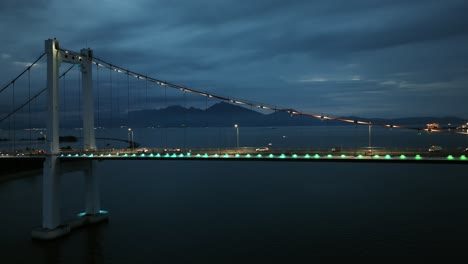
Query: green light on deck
pixel 282 156
pixel 76 155
pixel 69 155
pixel 167 155
pixel 117 154
pixel 329 156
pixel 61 155
pixel 418 157
pixel 102 155
pixel 450 157
pixel 317 156
pixel 216 155
pixel 142 155
pixel 307 156
pixel 402 156
pixel 259 155
pixel 151 155
pixel 174 155
pixel 343 156
pixel 181 155
pixel 294 156
pixel 237 155
pixel 133 155
pixel 188 154
pixel 271 156
pixel 247 156
pixel 125 155
pixel 359 156
pixel 158 155
pixel 376 156
pixel 205 155
pixel 91 155
pixel 226 155
pixel 463 157
pixel 198 155
pixel 388 156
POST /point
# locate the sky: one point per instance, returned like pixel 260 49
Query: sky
pixel 368 58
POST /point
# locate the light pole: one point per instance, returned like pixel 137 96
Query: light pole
pixel 130 138
pixel 237 131
pixel 370 140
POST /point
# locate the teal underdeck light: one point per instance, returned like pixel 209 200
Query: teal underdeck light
pixel 343 156
pixel 61 155
pixel 247 156
pixel 329 156
pixel 376 156
pixel 188 154
pixel 294 156
pixel 216 155
pixel 271 156
pixel 307 156
pixel 402 156
pixel 174 155
pixel 317 156
pixel 102 155
pixel 69 155
pixel 282 156
pixel 91 155
pixel 450 157
pixel 205 155
pixel 84 155
pixel 226 155
pixel 158 155
pixel 463 157
pixel 181 155
pixel 81 214
pixel 259 155
pixel 133 155
pixel 237 155
pixel 151 155
pixel 198 155
pixel 103 212
pixel 117 154
pixel 142 155
pixel 359 156
pixel 388 156
pixel 418 157
pixel 125 155
pixel 167 155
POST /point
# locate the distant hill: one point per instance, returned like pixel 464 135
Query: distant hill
pixel 225 114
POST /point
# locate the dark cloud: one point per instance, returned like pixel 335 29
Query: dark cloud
pixel 367 57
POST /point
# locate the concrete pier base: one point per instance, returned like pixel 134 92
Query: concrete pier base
pixel 63 230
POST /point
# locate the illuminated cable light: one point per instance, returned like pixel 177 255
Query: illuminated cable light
pixel 307 156
pixel 117 154
pixel 463 157
pixel 102 155
pixel 125 155
pixel 216 155
pixel 174 155
pixel 226 155
pixel 317 156
pixel 91 155
pixel 205 155
pixel 142 155
pixel 294 156
pixel 76 155
pixel 376 156
pixel 259 155
pixel 417 157
pixel 69 155
pixel 167 155
pixel 61 155
pixel 237 155
pixel 343 156
pixel 158 155
pixel 329 156
pixel 359 156
pixel 247 155
pixel 84 155
pixel 282 156
pixel 109 155
pixel 181 155
pixel 271 156
pixel 402 156
pixel 388 156
pixel 450 157
pixel 133 155
pixel 198 155
pixel 151 155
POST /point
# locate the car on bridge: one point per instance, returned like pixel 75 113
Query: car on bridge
pixel 435 148
pixel 262 149
pixel 172 150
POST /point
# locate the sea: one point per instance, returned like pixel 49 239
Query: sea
pixel 181 211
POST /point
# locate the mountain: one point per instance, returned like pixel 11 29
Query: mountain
pixel 226 114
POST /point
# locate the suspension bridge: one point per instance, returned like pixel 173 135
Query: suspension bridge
pixel 89 104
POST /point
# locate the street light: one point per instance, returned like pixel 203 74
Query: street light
pixel 130 137
pixel 237 130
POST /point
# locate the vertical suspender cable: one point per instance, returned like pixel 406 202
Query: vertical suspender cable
pixel 128 99
pixel 29 107
pixel 111 97
pixel 97 91
pixel 13 117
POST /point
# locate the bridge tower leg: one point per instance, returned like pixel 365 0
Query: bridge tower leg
pixel 51 224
